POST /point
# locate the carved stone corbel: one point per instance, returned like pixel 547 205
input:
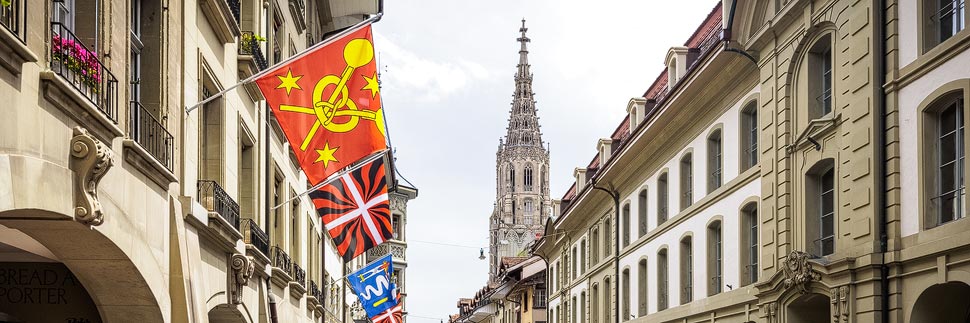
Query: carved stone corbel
pixel 835 305
pixel 798 271
pixel 769 310
pixel 90 160
pixel 242 269
pixel 844 302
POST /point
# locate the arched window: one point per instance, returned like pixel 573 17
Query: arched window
pixel 594 304
pixel 820 78
pixel 686 270
pixel 626 225
pixel 662 280
pixel 594 249
pixel 510 181
pixel 820 208
pixel 944 167
pixel 749 136
pixel 625 284
pixel 529 207
pixel 582 257
pixel 686 181
pixel 715 258
pixel 642 212
pixel 642 288
pixel 714 161
pixel 749 243
pixel 582 306
pixel 542 179
pixel 607 301
pixel 528 178
pixel 662 199
pixel 606 237
pixel 575 267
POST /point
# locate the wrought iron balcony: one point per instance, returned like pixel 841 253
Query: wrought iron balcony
pixel 215 199
pixel 249 45
pixel 12 18
pixel 150 134
pixel 255 236
pixel 80 66
pixel 235 9
pixel 315 291
pixel 299 275
pixel 281 260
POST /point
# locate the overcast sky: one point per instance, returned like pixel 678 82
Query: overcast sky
pixel 447 73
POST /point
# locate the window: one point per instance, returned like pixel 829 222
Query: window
pixel 714 164
pixel 625 284
pixel 820 77
pixel 642 212
pixel 247 177
pixel 528 178
pixel 820 212
pixel 662 280
pixel 626 225
pixel 749 136
pixel 295 240
pixel 606 237
pixel 594 304
pixel 510 180
pixel 529 208
pixel 573 305
pixel 539 298
pixel 594 247
pixel 749 243
pixel 947 194
pixel 607 302
pixel 686 270
pixel 662 199
pixel 134 61
pixel 686 182
pixel 642 288
pixel 582 306
pixel 211 138
pixel 715 258
pixel 397 226
pixel 575 264
pixel 942 19
pixel 582 257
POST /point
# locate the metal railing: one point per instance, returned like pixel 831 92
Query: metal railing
pixel 150 134
pixel 235 9
pixel 255 236
pixel 314 291
pixel 215 199
pixel 11 17
pixel 249 45
pixel 80 66
pixel 281 260
pixel 299 275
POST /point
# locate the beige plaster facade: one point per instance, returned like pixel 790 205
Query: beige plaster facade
pixel 110 191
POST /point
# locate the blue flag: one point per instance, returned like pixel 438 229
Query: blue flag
pixel 373 286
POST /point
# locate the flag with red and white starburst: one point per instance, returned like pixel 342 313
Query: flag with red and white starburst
pixel 355 209
pixel 392 315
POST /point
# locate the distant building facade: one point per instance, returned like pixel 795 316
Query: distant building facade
pixel 522 201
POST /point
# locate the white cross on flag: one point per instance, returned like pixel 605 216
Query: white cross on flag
pixel 355 209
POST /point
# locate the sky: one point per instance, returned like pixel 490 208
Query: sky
pixel 447 81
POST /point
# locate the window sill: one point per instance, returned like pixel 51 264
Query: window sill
pixel 13 52
pixel 280 278
pixel 216 231
pixel 62 95
pixel 219 15
pixel 142 160
pixel 247 67
pixel 297 290
pixel 933 58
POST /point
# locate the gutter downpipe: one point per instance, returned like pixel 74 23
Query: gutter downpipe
pixel 726 35
pixel 881 153
pixel 616 254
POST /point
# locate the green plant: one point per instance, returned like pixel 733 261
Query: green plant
pixel 5 3
pixel 249 40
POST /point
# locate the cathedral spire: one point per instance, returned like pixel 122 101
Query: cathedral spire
pixel 523 127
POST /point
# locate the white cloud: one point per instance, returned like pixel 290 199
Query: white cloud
pixel 427 79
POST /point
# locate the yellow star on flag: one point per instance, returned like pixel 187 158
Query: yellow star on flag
pixel 372 85
pixel 326 155
pixel 288 82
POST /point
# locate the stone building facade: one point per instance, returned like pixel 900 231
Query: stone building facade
pixel 136 210
pixel 522 201
pixel 796 161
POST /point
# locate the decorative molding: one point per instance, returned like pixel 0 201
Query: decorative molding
pixel 842 307
pixel 91 159
pixel 242 269
pixel 769 311
pixel 798 271
pixel 399 203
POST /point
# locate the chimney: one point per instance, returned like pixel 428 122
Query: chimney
pixel 636 109
pixel 580 174
pixel 605 148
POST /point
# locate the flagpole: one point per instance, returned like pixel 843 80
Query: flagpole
pixel 335 176
pixel 262 73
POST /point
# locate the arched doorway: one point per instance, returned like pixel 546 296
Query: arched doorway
pixel 949 302
pixel 809 308
pixel 226 314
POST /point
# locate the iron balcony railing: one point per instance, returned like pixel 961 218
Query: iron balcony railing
pixel 281 260
pixel 12 18
pixel 315 291
pixel 299 275
pixel 255 236
pixel 215 199
pixel 80 66
pixel 150 134
pixel 249 45
pixel 235 9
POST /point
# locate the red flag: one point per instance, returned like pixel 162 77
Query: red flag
pixel 328 104
pixel 392 315
pixel 355 209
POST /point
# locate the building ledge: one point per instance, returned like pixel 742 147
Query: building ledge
pixel 248 67
pixel 219 15
pixel 141 159
pixel 261 260
pixel 297 290
pixel 61 94
pixel 219 232
pixel 13 52
pixel 280 277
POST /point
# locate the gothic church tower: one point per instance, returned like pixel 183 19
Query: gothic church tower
pixel 522 202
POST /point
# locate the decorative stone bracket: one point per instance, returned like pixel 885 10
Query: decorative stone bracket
pixel 90 160
pixel 798 271
pixel 242 269
pixel 770 311
pixel 840 304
